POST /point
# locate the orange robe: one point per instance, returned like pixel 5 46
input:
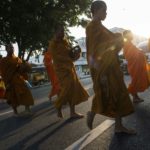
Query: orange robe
pixel 72 91
pixel 136 68
pixel 2 89
pixel 2 86
pixel 111 96
pixel 51 73
pixel 17 92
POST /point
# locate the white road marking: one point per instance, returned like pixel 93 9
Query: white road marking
pixel 37 102
pixel 7 112
pixel 90 136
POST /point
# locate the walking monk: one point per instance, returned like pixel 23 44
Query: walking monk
pixel 136 64
pixel 71 91
pixel 111 96
pixel 2 85
pixel 51 73
pixel 17 92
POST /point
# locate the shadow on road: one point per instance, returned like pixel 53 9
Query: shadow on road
pixel 10 125
pixel 21 144
pixel 140 141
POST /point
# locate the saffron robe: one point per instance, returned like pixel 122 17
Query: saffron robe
pixel 72 91
pixel 2 86
pixel 17 92
pixel 136 64
pixel 2 89
pixel 51 73
pixel 111 96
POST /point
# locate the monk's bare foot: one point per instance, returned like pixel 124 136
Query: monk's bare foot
pixel 137 100
pixel 26 113
pixel 125 130
pixel 89 119
pixel 76 115
pixel 59 113
pixel 50 98
pixel 15 110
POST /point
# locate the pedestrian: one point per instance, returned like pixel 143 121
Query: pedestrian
pixel 2 89
pixel 72 92
pixel 48 62
pixel 2 85
pixel 111 96
pixel 137 63
pixel 17 92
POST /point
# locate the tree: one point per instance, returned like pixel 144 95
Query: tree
pixel 31 23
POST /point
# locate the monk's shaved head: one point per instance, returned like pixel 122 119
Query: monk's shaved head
pixel 96 5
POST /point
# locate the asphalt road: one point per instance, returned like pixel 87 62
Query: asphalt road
pixel 44 131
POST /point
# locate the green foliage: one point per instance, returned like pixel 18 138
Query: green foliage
pixel 31 23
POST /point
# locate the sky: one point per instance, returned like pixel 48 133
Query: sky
pixel 3 52
pixel 128 14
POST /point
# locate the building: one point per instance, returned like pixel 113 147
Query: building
pixel 81 64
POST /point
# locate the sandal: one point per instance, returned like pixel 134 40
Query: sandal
pixel 125 130
pixel 137 100
pixel 76 116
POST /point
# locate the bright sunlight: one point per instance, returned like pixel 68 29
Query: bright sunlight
pixel 127 14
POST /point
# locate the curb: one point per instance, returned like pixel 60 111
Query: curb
pixel 47 84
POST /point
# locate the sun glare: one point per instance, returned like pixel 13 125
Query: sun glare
pixel 143 32
pixel 129 14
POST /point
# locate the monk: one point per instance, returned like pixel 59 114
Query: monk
pixel 17 93
pixel 51 73
pixel 111 96
pixel 2 88
pixel 2 85
pixel 136 64
pixel 71 91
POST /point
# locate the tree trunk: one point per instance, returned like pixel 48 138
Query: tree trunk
pixel 23 53
pixel 27 59
pixel 19 47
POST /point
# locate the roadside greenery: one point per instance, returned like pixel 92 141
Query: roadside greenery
pixel 31 23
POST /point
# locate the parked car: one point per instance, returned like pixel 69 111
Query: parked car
pixel 38 76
